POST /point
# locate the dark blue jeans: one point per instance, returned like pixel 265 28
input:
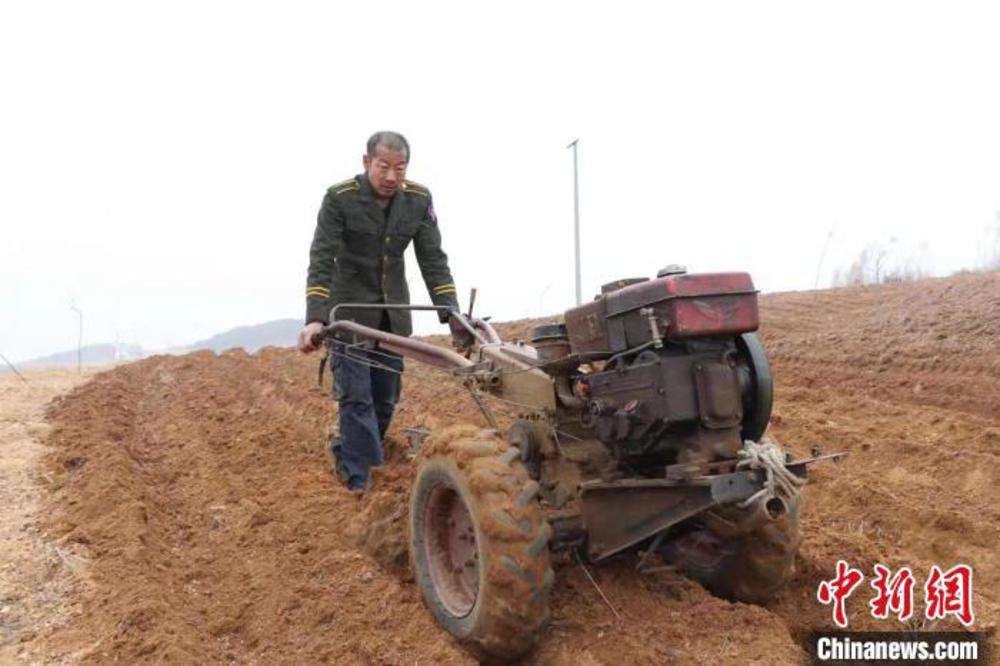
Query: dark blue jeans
pixel 366 384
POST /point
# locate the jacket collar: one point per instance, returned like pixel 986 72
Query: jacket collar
pixel 367 196
pixel 365 187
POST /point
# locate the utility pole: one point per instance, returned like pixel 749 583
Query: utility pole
pixel 11 366
pixel 822 256
pixel 576 220
pixel 79 340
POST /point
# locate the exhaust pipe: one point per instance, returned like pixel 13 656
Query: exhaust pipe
pixel 775 507
pixel 762 511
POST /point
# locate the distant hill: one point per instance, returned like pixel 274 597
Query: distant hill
pixel 277 333
pixel 90 355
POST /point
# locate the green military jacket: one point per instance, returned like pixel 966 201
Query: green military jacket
pixel 357 254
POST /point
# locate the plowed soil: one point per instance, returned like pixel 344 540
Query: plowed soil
pixel 197 493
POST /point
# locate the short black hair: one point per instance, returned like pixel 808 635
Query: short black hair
pixel 391 140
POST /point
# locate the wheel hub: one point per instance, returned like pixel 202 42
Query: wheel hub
pixel 452 550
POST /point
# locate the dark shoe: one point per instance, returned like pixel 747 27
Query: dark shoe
pixel 337 466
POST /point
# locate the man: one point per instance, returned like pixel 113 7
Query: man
pixel 365 224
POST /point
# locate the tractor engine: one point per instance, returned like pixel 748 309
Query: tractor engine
pixel 675 371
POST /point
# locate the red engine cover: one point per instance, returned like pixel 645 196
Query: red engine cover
pixel 693 305
pixel 721 303
pixel 684 306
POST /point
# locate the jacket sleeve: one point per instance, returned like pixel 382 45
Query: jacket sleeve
pixel 326 247
pixel 433 261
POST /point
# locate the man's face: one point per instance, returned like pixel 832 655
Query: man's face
pixel 386 171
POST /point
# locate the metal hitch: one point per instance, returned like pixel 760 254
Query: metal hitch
pixel 619 514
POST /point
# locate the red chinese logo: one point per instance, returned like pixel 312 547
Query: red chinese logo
pixel 949 593
pixel 837 590
pixel 894 594
pixel 945 593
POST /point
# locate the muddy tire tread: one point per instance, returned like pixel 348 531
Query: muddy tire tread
pixel 519 575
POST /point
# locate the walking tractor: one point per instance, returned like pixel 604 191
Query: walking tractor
pixel 641 430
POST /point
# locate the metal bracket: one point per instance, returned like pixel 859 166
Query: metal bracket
pixel 620 514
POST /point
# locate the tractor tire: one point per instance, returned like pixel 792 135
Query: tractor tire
pixel 479 543
pixel 751 567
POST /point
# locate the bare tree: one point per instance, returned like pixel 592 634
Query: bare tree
pixel 879 256
pixel 880 263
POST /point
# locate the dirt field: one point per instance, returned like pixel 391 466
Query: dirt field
pixel 197 521
pixel 41 582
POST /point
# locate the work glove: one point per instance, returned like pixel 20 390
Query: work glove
pixel 444 316
pixel 461 339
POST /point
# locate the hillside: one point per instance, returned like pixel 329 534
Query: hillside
pixel 98 354
pixel 277 333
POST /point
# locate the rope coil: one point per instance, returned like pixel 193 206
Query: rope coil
pixel 778 481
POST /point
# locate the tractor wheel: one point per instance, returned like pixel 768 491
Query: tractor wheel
pixel 751 567
pixel 479 542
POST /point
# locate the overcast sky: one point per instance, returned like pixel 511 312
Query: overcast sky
pixel 161 165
